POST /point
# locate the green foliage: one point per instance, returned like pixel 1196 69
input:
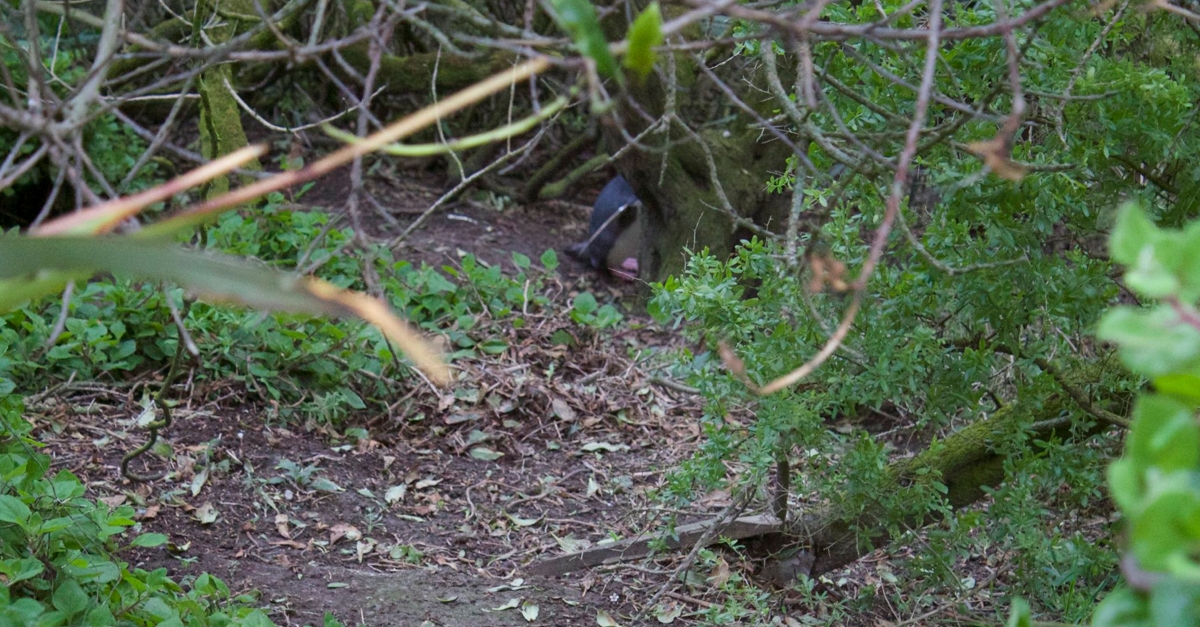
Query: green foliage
pixel 1156 483
pixel 916 356
pixel 578 18
pixel 113 147
pixel 644 35
pixel 980 284
pixel 58 552
pixel 586 311
pixel 57 545
pixel 221 277
pixel 314 365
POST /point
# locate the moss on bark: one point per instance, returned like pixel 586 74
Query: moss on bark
pixel 966 462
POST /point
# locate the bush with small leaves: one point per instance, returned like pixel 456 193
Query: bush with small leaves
pixel 1156 483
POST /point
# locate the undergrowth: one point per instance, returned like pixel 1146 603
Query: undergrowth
pixel 59 551
pixel 60 555
pixel 901 381
pixel 310 367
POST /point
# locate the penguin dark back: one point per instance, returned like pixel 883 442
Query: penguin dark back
pixel 614 211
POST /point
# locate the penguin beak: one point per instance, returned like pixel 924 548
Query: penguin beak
pixel 628 270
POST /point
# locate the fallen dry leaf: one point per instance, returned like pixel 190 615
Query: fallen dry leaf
pixel 115 500
pixel 562 410
pixel 207 514
pixel 996 156
pixel 719 574
pixel 291 543
pixel 343 530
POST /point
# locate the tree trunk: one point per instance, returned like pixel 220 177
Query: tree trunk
pixel 682 209
pixel 403 75
pixel 673 173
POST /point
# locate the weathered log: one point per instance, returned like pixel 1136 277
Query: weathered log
pixel 533 187
pixel 412 74
pixel 685 537
pixel 966 462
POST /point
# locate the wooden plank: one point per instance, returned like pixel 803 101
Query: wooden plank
pixel 634 548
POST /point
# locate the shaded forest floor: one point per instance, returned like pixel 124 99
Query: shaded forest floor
pixel 431 513
pixel 395 520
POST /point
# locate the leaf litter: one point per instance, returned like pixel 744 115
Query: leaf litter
pixel 540 449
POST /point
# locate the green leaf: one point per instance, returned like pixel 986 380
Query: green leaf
pixel 219 276
pixel 1161 263
pixel 69 598
pixel 21 569
pixel 1122 608
pixel 1132 234
pixel 23 611
pixel 1184 386
pixel 1153 343
pixel 1125 483
pixel 578 18
pixel 158 608
pixel 1153 273
pixel 658 311
pixel 485 454
pixel 1188 266
pixel 100 616
pixel 1174 602
pixel 1181 565
pixel 325 485
pixel 13 510
pixel 147 540
pixel 585 303
pixel 493 346
pixel 353 399
pixel 1019 614
pixel 562 338
pixel 1167 524
pixel 645 34
pixel 256 618
pixel 608 316
pixel 1164 435
pixel 550 260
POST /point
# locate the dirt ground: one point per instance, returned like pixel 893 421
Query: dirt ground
pixel 479 222
pixel 407 526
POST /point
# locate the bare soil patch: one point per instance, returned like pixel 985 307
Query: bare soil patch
pixel 479 223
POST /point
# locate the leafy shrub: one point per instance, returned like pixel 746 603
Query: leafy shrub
pixel 913 364
pixel 1156 483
